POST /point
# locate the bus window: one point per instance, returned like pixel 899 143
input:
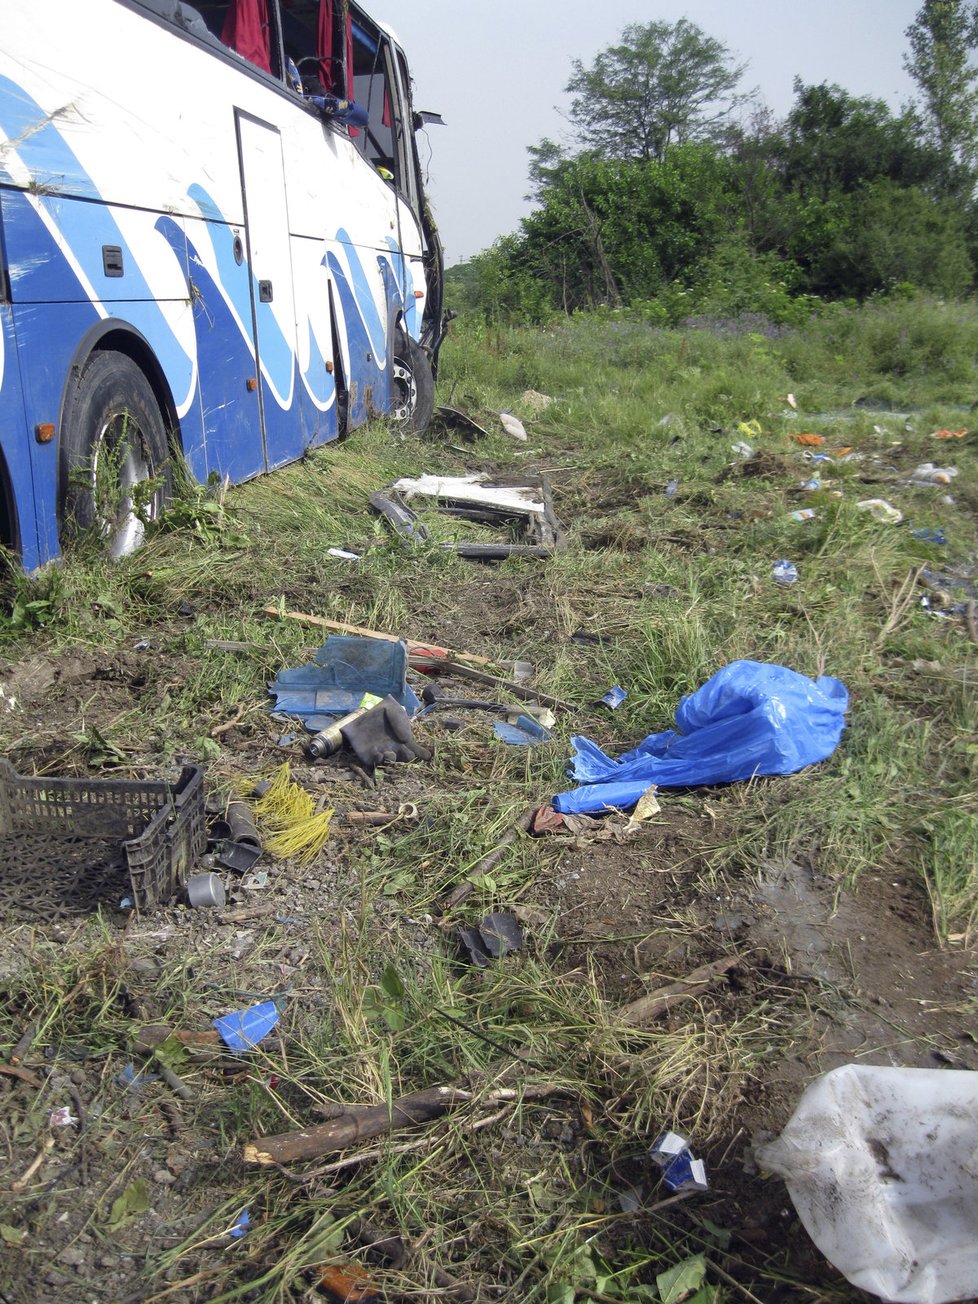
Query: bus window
pixel 382 143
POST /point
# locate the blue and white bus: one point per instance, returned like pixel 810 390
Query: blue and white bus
pixel 214 243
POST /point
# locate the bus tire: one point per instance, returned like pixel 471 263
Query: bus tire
pixel 114 458
pixel 412 385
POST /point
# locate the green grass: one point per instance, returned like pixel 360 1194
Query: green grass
pixel 676 587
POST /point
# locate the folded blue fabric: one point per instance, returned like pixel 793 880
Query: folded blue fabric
pixel 750 719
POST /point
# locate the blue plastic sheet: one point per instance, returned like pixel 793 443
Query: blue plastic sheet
pixel 750 719
pixel 345 667
pixel 525 732
pixel 244 1029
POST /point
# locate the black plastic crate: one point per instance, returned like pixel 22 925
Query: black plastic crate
pixel 68 845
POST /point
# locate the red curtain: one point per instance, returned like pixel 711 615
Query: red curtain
pixel 329 73
pixel 324 45
pixel 246 31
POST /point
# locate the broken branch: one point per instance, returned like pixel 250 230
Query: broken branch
pixel 656 1003
pixel 360 1122
pixel 489 861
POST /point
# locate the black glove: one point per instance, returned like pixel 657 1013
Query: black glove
pixel 383 734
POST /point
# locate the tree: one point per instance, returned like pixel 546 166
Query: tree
pixel 942 36
pixel 833 141
pixel 662 85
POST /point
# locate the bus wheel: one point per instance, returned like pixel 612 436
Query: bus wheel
pixel 115 471
pixel 413 388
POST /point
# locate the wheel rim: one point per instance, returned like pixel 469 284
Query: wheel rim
pixel 119 468
pixel 405 393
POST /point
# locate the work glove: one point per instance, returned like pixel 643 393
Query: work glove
pixel 383 734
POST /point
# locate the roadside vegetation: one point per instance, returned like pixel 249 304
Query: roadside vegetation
pixel 549 1198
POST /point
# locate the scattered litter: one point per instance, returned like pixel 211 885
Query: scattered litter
pixel 512 425
pixel 646 806
pixel 237 856
pixel 804 514
pixel 749 429
pixel 879 1164
pixel 244 1029
pixel 523 731
pixel 809 440
pixel 681 1171
pixel 928 473
pixel 475 498
pixel 295 826
pixel 82 843
pixel 791 400
pixel 927 535
pixel 205 890
pixel 347 1283
pixel 784 572
pixel 547 820
pixel 742 448
pixel 460 421
pixel 520 671
pixel 61 1117
pixel 812 485
pixel 255 882
pixel 240 1226
pixel 672 488
pixel 344 668
pixel 881 510
pixel 382 735
pixel 751 718
pixel 343 554
pixel 331 739
pixel 613 697
pixel 497 935
pixel 587 637
pixel 949 434
pixel 131 1079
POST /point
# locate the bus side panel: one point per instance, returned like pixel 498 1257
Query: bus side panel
pixel 230 441
pixel 273 302
pixel 364 294
pixel 316 384
pixel 16 446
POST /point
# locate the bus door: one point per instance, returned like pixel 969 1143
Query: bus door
pixel 272 294
pixel 16 472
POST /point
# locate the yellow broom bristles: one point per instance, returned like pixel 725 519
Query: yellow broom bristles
pixel 291 825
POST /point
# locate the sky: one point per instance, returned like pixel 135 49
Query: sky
pixel 496 69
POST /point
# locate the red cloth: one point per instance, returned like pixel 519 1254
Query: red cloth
pixel 246 31
pixel 324 45
pixel 354 131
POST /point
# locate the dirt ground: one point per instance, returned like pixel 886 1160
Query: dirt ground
pixel 856 977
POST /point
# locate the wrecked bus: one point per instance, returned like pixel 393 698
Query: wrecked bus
pixel 214 244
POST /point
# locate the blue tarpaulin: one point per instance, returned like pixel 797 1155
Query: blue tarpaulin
pixel 750 719
pixel 344 669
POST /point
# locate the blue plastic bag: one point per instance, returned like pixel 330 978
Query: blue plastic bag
pixel 749 719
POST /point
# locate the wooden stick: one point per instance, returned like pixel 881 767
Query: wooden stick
pixel 363 1121
pixel 656 1003
pixel 15 1071
pixel 971 620
pixel 490 860
pixel 19 1052
pixel 342 627
pixel 521 691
